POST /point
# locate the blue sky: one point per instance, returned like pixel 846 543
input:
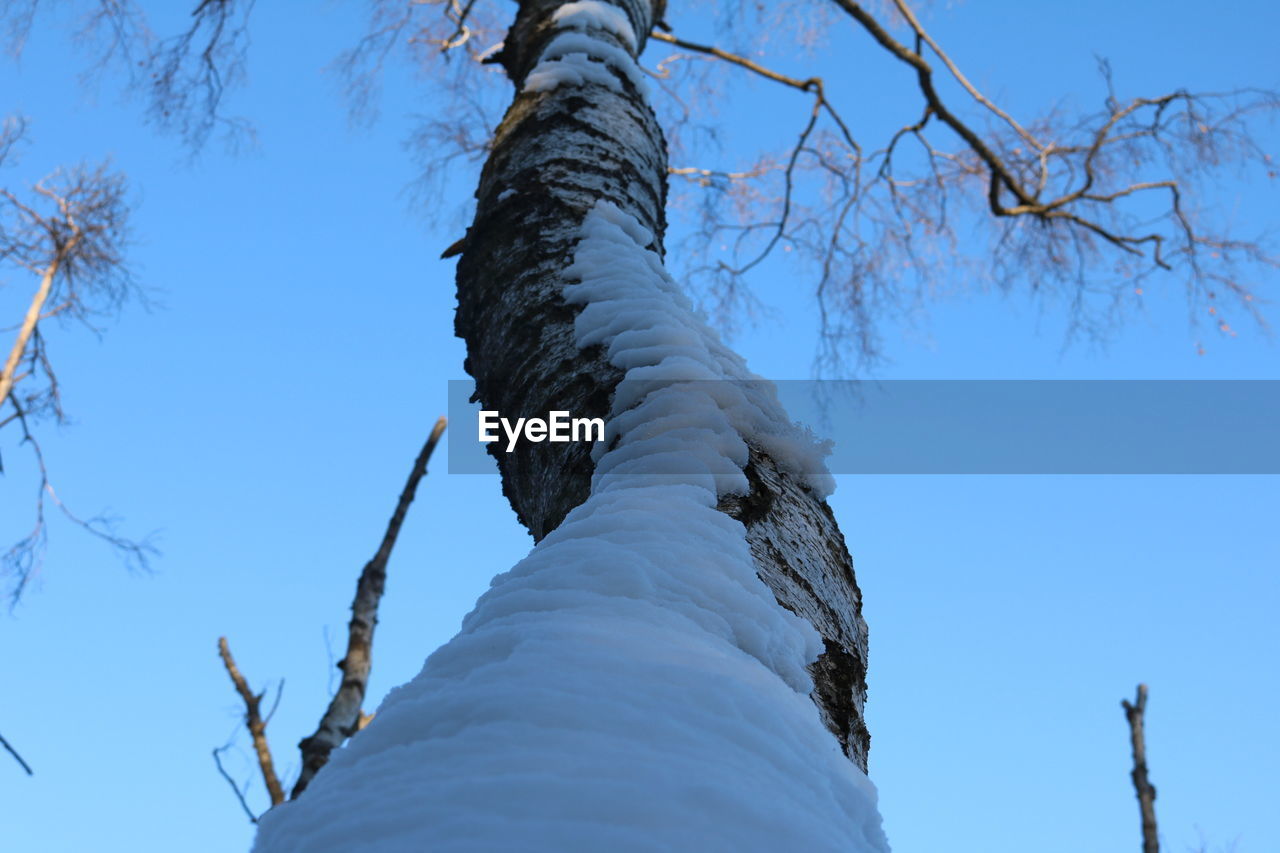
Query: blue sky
pixel 262 419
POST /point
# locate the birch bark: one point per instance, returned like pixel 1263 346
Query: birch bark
pixel 555 155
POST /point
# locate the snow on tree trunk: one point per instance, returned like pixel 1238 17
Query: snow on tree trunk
pixel 634 683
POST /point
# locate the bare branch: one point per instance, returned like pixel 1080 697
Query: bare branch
pixel 217 760
pixel 1089 206
pixel 344 716
pixel 254 723
pixel 113 26
pixel 185 77
pixel 735 59
pixel 910 17
pixel 18 17
pixel 9 748
pixel 23 560
pixel 71 235
pixel 116 33
pixel 467 28
pixel 12 130
pixel 191 73
pixel 1146 792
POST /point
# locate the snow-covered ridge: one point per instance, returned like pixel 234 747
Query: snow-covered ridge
pixel 684 391
pixel 593 14
pixel 576 55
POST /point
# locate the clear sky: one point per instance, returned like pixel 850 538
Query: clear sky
pixel 264 416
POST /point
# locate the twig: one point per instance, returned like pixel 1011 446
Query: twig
pixel 344 716
pixel 254 723
pixel 1146 792
pixel 24 558
pixel 217 759
pixel 191 73
pixel 9 748
pixel 914 22
pixel 735 59
pixel 1088 185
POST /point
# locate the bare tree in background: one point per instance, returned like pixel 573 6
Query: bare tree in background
pixel 69 230
pixel 66 237
pixel 183 79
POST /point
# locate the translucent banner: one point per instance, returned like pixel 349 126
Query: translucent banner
pixel 949 426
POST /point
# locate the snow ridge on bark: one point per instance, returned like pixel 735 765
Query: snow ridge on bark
pixel 575 56
pixel 678 373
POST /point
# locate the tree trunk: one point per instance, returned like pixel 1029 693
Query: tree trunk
pixel 632 683
pixel 555 155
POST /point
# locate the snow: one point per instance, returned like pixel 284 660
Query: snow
pixel 649 328
pixel 577 55
pixel 593 14
pixel 631 685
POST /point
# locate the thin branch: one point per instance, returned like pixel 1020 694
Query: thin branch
pixel 9 748
pixel 1073 198
pixel 811 84
pixel 191 74
pixel 254 723
pixel 914 22
pixel 24 558
pixel 462 33
pixel 735 59
pixel 924 75
pixel 1146 792
pixel 217 759
pixel 344 716
pixel 276 704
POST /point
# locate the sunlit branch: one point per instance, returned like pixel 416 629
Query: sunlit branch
pixel 254 722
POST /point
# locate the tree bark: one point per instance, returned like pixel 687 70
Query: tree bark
pixel 1135 713
pixel 28 326
pixel 555 155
